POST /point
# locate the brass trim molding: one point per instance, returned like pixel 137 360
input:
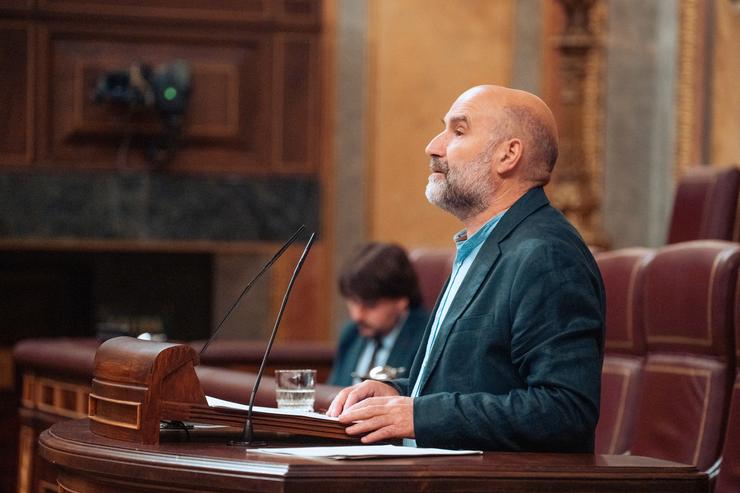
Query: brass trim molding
pixel 685 117
pixel 692 85
pixel 594 113
pixel 26 452
pixel 577 188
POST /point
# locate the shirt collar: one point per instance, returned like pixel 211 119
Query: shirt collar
pixel 389 340
pixel 465 246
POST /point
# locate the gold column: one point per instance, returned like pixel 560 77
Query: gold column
pixel 576 186
pixel 694 85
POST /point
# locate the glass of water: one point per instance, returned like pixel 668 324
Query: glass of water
pixel 295 389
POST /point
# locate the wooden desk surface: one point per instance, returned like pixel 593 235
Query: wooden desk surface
pixel 89 463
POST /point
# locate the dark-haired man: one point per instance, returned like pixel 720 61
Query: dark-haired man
pixel 383 299
pixel 512 357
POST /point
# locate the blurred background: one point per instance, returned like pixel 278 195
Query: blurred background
pixel 154 154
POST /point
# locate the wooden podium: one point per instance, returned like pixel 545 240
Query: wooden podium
pixel 120 448
pixel 133 383
pixel 90 463
pixel 138 384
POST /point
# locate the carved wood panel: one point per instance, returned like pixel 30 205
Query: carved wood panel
pixel 255 68
pixel 223 129
pixel 297 125
pixel 15 94
pixel 234 10
pixel 299 11
pixel 306 313
pixel 288 12
pixel 16 4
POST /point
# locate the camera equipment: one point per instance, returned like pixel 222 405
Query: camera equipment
pixel 165 89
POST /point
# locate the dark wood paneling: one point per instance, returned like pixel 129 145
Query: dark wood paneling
pixel 300 11
pixel 15 94
pixel 256 85
pixel 224 130
pixel 299 118
pixel 213 10
pixel 9 436
pixel 16 4
pixel 306 312
pixel 301 14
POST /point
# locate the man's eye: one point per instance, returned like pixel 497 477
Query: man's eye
pixel 458 132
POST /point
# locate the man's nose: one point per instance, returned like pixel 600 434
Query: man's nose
pixel 357 313
pixel 437 146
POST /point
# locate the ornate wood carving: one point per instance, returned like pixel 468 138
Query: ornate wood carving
pixel 575 189
pixel 693 86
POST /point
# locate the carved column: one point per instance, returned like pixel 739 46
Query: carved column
pixel 575 191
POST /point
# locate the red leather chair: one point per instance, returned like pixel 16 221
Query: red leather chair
pixel 728 480
pixel 433 266
pixel 688 318
pixel 624 347
pixel 705 205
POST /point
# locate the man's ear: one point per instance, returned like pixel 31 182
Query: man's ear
pixel 402 304
pixel 508 156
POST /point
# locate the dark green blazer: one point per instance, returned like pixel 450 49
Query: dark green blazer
pixel 351 345
pixel 517 361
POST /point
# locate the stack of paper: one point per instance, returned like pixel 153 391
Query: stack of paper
pixel 264 419
pixel 362 451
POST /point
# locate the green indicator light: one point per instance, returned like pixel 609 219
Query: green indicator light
pixel 170 93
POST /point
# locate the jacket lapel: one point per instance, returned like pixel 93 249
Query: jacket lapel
pixel 401 346
pixel 482 264
pixel 419 358
pixel 480 269
pixel 408 339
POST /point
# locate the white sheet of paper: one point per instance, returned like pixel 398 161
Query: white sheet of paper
pixel 362 451
pixel 216 402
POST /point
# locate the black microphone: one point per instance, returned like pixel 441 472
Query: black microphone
pixel 248 432
pixel 274 258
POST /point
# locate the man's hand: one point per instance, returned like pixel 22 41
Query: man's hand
pixel 376 409
pixel 382 418
pixel 350 396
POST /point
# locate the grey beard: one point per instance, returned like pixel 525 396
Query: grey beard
pixel 460 203
pixel 465 191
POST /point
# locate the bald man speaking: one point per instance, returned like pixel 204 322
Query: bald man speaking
pixel 511 358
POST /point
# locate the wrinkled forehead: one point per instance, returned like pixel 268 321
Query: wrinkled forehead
pixel 488 103
pixel 473 106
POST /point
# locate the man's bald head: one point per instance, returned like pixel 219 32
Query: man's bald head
pixel 520 114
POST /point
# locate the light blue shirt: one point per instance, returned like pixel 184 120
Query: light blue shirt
pixel 467 250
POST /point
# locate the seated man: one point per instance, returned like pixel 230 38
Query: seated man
pixel 383 299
